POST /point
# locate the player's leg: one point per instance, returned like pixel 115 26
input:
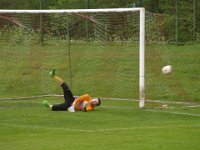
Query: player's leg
pixel 58 107
pixel 68 96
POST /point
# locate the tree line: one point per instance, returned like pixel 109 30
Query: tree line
pixel 184 15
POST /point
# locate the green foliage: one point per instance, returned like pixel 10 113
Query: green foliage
pixel 187 14
pixel 18 35
pixel 21 36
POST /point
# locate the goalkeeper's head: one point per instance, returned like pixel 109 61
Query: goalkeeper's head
pixel 96 102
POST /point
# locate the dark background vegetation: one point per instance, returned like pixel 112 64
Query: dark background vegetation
pixel 184 15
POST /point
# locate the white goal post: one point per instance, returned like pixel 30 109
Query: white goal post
pixel 141 36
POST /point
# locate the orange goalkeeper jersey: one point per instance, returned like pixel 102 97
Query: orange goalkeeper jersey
pixel 78 103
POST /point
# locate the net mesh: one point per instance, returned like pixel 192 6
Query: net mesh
pixel 95 53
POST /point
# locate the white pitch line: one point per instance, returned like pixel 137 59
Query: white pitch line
pixel 97 130
pixel 150 110
pixel 45 128
pixel 176 113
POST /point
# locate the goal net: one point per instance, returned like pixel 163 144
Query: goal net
pixel 99 52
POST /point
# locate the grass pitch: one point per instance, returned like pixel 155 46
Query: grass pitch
pixel 115 125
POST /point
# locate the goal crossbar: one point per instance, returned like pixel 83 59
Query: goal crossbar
pixel 73 10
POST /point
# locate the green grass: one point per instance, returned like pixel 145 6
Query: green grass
pixel 115 125
pixel 102 70
pixel 111 71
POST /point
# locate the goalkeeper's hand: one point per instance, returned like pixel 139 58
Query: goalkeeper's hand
pixel 85 104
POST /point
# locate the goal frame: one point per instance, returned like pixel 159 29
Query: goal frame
pixel 141 36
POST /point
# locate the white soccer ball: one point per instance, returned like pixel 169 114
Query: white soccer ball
pixel 164 106
pixel 167 69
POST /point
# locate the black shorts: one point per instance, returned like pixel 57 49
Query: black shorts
pixel 68 97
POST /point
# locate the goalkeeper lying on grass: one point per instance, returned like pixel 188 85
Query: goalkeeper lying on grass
pixel 84 102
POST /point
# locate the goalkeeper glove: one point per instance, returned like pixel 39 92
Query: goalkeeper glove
pixel 85 104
